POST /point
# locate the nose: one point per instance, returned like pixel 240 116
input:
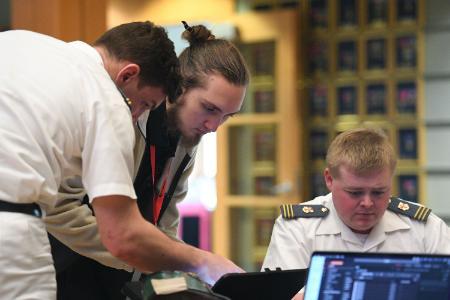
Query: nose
pixel 212 124
pixel 367 201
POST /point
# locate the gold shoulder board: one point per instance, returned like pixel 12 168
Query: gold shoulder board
pixel 410 209
pixel 294 211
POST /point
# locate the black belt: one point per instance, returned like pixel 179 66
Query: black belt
pixel 25 208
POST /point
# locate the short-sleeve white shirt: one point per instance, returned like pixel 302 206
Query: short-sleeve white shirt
pixel 293 241
pixel 63 123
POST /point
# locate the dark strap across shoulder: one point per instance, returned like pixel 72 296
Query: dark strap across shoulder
pixel 165 145
pixel 174 183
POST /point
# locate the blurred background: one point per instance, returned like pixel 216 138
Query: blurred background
pixel 318 67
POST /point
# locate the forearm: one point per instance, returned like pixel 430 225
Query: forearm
pixel 75 226
pixel 149 249
pixel 126 234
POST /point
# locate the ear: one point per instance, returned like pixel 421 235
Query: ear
pixel 128 72
pixel 328 178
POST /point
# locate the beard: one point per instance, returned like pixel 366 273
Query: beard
pixel 175 125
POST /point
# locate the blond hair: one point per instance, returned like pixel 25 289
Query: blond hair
pixel 362 150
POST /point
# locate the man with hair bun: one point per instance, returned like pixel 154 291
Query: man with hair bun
pixel 214 78
pixel 66 131
pixel 359 214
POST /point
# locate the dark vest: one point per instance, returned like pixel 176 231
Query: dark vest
pixel 166 145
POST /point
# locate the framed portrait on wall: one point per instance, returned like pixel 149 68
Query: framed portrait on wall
pixel 318 100
pixel 346 100
pixel 264 220
pixel 376 98
pixel 407 143
pixel 264 185
pixel 347 13
pixel 264 144
pixel 263 232
pixel 318 186
pixel 377 12
pixel 406 51
pixel 263 58
pixel 288 3
pixel 318 56
pixel 408 187
pixel 406 97
pixel 318 14
pixel 376 53
pixel 406 10
pixel 262 5
pixel 264 101
pixel 347 56
pixel 318 142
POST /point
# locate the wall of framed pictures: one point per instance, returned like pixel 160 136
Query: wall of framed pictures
pixel 257 168
pixel 363 64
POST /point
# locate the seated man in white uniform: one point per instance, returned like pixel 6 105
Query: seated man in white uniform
pixel 359 214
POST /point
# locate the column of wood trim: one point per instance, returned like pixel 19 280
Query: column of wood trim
pixel 67 20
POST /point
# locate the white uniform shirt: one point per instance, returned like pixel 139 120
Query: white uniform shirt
pixel 63 123
pixel 293 241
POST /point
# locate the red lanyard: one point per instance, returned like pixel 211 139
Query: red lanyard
pixel 158 198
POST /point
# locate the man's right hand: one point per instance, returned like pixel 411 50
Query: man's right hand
pixel 126 234
pixel 213 266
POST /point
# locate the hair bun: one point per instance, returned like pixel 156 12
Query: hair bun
pixel 196 34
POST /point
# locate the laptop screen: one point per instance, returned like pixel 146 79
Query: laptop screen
pixel 367 276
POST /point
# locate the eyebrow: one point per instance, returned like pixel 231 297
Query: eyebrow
pixel 357 190
pixel 219 109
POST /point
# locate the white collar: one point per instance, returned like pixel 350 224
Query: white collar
pixel 332 224
pixel 88 50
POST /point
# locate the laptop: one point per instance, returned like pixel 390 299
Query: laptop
pixel 268 285
pixel 367 276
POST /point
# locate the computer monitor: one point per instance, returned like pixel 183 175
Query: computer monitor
pixel 367 276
